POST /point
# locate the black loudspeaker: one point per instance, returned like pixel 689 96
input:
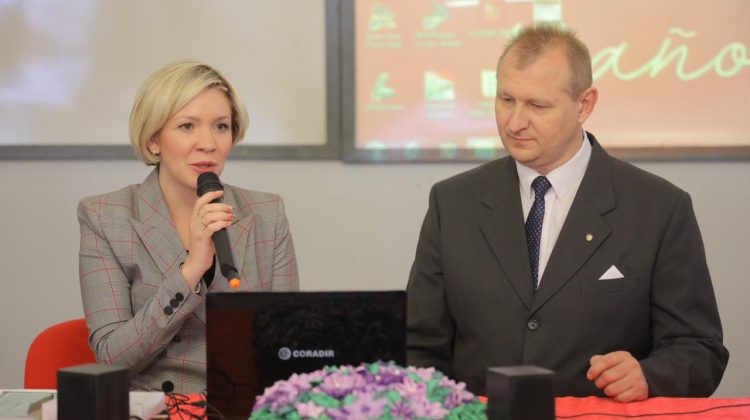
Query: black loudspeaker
pixel 520 393
pixel 93 392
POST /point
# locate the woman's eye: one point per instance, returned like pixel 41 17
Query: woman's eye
pixel 186 126
pixel 222 126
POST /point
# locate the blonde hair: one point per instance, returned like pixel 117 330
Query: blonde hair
pixel 533 40
pixel 167 91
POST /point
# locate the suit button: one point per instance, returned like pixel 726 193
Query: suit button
pixel 176 338
pixel 532 325
pixel 179 297
pixel 168 310
pixel 174 303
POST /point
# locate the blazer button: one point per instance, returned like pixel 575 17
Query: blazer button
pixel 174 303
pixel 168 310
pixel 532 325
pixel 179 297
pixel 176 338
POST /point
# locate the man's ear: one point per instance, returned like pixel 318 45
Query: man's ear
pixel 587 101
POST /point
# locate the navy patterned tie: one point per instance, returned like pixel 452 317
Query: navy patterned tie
pixel 534 225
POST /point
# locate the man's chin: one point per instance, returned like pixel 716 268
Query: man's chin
pixel 521 155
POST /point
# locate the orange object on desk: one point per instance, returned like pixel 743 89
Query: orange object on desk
pixel 654 408
pixel 604 408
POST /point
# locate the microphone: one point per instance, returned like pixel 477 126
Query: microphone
pixel 207 182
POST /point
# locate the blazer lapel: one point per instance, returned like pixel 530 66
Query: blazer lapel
pixel 503 227
pixel 155 227
pixel 584 228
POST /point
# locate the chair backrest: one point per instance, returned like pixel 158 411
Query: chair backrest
pixel 61 345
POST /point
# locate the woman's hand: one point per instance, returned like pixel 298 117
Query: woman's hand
pixel 206 219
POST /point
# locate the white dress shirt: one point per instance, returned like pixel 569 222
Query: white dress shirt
pixel 565 181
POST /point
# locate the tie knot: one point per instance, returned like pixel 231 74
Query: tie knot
pixel 541 184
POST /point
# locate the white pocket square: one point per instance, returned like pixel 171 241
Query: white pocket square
pixel 612 273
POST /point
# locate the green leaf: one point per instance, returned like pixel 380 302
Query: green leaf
pixel 393 396
pixel 325 400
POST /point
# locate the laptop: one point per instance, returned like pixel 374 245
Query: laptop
pixel 254 339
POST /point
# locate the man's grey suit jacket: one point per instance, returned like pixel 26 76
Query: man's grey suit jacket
pixel 139 310
pixel 472 305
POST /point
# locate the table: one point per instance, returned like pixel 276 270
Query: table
pixel 653 408
pixel 588 408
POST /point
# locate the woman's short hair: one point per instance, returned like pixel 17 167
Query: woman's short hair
pixel 167 91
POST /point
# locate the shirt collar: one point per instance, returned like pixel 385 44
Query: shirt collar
pixel 562 178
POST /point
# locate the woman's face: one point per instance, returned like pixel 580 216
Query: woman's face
pixel 196 139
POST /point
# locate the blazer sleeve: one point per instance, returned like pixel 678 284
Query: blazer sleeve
pixel 285 274
pixel 117 335
pixel 430 325
pixel 688 357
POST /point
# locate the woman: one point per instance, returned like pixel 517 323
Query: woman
pixel 147 258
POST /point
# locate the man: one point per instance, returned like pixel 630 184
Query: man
pixel 596 270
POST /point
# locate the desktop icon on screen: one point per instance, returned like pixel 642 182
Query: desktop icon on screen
pixel 381 17
pixel 437 87
pixel 381 91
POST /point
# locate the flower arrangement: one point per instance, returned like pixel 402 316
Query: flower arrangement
pixel 369 391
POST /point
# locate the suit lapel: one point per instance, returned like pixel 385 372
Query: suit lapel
pixel 503 227
pixel 155 227
pixel 584 228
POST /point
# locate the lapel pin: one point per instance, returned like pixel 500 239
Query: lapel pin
pixel 589 237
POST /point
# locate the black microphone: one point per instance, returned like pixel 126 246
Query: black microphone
pixel 207 182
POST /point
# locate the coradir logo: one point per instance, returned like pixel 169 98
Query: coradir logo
pixel 285 354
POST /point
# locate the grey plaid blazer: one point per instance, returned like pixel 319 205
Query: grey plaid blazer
pixel 139 310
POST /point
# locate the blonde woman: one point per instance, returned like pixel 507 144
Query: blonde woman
pixel 147 258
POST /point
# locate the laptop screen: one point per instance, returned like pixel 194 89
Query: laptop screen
pixel 254 339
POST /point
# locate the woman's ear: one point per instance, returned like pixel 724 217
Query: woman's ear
pixel 153 145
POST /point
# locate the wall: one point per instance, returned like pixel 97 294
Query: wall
pixel 354 226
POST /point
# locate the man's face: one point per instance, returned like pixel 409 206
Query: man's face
pixel 538 120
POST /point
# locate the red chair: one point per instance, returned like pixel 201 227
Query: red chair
pixel 61 345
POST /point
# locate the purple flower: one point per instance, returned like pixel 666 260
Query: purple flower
pixel 363 407
pixel 459 395
pixel 388 375
pixel 425 374
pixel 309 409
pixel 410 389
pixel 368 391
pixel 401 410
pixel 278 395
pixel 301 381
pixel 430 410
pixel 338 385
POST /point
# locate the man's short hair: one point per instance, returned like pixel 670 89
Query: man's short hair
pixel 533 40
pixel 167 91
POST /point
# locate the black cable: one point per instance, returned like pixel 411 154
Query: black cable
pixel 210 409
pixel 176 406
pixel 718 407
